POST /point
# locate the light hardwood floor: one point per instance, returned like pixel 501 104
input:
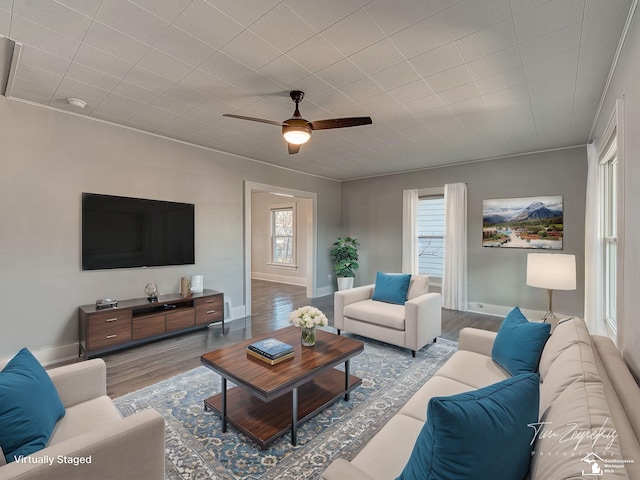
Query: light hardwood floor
pixel 131 369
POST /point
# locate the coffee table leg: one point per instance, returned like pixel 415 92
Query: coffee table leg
pixel 294 417
pixel 224 405
pixel 346 380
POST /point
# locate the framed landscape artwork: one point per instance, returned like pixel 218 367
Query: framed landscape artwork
pixel 527 222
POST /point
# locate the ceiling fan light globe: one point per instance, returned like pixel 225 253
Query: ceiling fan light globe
pixel 296 131
pixel 296 137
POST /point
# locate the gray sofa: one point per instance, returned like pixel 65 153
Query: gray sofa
pixel 412 325
pixel 130 448
pixel 586 388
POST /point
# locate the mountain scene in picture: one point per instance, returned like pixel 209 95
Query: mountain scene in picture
pixel 528 222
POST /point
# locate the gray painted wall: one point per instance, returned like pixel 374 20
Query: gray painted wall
pixel 49 158
pixel 372 212
pixel 624 85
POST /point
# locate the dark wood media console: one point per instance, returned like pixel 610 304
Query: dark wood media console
pixel 138 321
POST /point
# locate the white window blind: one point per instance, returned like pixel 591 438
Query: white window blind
pixel 430 232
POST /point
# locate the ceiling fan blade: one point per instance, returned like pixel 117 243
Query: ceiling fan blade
pixel 340 123
pixel 293 148
pixel 253 119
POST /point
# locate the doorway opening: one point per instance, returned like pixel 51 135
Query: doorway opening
pixel 279 237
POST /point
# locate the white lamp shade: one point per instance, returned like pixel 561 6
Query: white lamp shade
pixel 552 271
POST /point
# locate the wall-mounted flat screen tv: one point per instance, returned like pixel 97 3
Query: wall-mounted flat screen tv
pixel 123 232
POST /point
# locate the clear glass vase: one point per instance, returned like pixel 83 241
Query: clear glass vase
pixel 308 336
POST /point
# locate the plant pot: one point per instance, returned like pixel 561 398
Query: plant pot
pixel 345 283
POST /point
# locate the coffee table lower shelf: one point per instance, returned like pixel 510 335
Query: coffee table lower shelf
pixel 265 422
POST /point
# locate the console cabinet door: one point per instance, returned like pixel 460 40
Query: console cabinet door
pixel 209 309
pixel 182 318
pixel 148 326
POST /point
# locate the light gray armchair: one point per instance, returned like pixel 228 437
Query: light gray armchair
pixel 130 448
pixel 412 325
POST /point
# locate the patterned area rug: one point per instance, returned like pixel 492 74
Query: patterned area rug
pixel 196 448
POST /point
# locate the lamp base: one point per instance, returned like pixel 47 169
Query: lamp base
pixel 549 315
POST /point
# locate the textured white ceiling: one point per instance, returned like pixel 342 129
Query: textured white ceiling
pixel 444 81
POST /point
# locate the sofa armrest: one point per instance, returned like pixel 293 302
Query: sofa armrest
pixel 340 469
pixel 342 298
pixel 79 382
pixel 423 319
pixel 129 449
pixel 477 340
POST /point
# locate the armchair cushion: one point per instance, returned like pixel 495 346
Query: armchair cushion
pixel 519 343
pixel 29 406
pixel 377 313
pixel 391 288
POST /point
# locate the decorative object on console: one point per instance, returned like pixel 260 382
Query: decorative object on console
pixel 197 283
pixel 345 257
pixel 106 303
pixel 528 222
pixel 519 343
pixel 185 286
pixel 151 290
pixel 308 318
pixel 553 272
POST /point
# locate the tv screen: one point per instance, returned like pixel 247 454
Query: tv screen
pixel 123 232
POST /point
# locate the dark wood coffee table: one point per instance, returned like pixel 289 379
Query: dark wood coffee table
pixel 273 399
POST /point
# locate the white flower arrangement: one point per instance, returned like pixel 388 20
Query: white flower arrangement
pixel 308 317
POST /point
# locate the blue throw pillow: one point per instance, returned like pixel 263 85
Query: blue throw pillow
pixel 481 434
pixel 519 343
pixel 391 288
pixel 29 406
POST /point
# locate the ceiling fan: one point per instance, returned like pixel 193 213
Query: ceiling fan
pixel 296 130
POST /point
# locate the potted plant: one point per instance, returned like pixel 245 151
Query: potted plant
pixel 345 256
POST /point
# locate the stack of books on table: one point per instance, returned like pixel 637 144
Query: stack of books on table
pixel 270 350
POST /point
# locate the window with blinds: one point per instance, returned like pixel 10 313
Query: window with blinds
pixel 431 236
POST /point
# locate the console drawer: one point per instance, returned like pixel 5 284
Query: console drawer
pixel 108 328
pixel 148 326
pixel 182 318
pixel 209 309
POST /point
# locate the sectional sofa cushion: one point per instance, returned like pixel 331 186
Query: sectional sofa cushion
pixel 482 434
pixel 29 406
pixel 519 343
pixel 391 288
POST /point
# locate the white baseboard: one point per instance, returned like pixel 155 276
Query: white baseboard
pixel 237 312
pixel 324 291
pixel 49 356
pixel 501 310
pixel 272 277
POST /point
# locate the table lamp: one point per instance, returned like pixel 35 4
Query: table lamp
pixel 552 271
